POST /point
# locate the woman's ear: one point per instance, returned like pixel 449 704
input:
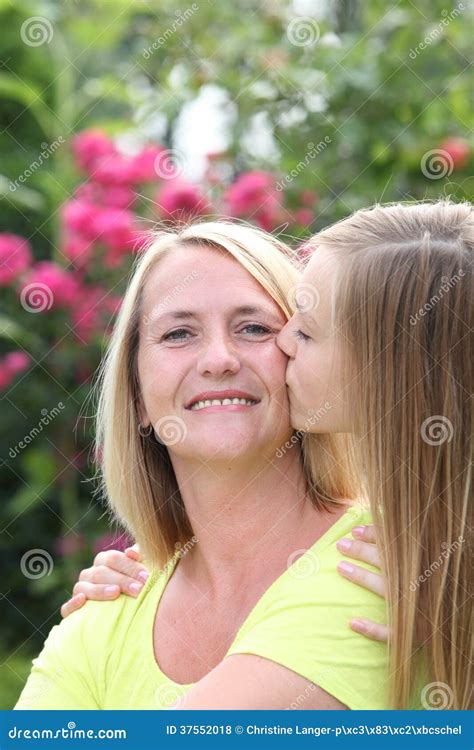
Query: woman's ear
pixel 142 415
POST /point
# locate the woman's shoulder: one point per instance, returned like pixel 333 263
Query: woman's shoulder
pixel 312 589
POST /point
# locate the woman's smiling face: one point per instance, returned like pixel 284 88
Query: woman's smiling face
pixel 315 368
pixel 208 332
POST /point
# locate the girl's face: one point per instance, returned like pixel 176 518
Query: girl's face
pixel 208 332
pixel 315 369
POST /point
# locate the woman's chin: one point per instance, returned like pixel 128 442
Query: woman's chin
pixel 220 448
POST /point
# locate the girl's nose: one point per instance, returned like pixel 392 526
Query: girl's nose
pixel 285 340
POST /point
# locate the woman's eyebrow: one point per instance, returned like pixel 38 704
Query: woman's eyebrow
pixel 240 310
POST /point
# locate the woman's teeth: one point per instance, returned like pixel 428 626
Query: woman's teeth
pixel 221 402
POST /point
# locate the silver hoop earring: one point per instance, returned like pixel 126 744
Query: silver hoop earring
pixel 144 431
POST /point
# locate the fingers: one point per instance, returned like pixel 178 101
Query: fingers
pixel 96 591
pixel 99 578
pixel 363 577
pixel 365 533
pixel 75 602
pixel 121 563
pixel 134 553
pixel 373 630
pixel 362 551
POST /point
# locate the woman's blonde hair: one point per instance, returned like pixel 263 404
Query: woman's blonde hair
pixel 135 474
pixel 403 304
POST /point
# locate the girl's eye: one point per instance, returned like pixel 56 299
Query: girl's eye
pixel 257 330
pixel 176 335
pixel 300 335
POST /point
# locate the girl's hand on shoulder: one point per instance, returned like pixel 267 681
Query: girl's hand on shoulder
pixel 363 547
pixel 111 574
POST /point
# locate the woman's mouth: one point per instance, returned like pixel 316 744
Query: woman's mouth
pixel 225 404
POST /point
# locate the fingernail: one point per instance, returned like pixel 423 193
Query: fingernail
pixel 143 575
pixel 110 590
pixel 345 567
pixel 135 588
pixel 344 544
pixel 358 530
pixel 359 624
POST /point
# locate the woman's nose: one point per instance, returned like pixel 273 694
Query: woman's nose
pixel 285 340
pixel 218 358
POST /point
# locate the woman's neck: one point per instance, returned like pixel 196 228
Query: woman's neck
pixel 244 514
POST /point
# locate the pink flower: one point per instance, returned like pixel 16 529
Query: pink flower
pixel 304 216
pixel 69 544
pixel 119 196
pixel 181 200
pixel 112 541
pixel 113 170
pixel 248 192
pixel 115 228
pixel 93 312
pixel 143 164
pixel 12 364
pixel 254 195
pixel 79 251
pixel 56 286
pixel 90 146
pixel 458 149
pixel 79 217
pixel 17 361
pixel 15 257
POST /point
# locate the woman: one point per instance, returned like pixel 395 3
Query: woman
pixel 192 417
pixel 380 348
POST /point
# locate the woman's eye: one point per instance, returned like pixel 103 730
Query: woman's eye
pixel 300 335
pixel 256 329
pixel 178 335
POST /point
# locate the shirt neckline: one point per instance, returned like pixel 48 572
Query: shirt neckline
pixel 165 574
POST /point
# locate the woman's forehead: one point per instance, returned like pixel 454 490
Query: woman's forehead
pixel 203 276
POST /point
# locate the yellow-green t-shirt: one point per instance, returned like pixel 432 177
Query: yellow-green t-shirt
pixel 102 657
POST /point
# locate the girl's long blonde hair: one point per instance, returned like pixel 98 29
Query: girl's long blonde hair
pixel 404 307
pixel 135 474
